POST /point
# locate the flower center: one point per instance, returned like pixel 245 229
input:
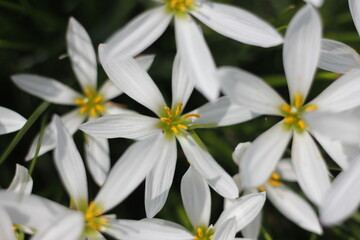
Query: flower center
pixel 204 233
pixel 91 104
pixel 273 180
pixel 94 221
pixel 179 6
pixel 172 122
pixel 293 113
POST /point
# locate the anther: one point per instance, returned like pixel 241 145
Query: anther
pixel 275 176
pixel 192 115
pixel 98 99
pixel 182 126
pixel 168 110
pixel 174 129
pixel 286 109
pixel 200 232
pixel 166 120
pixel 261 189
pixel 80 102
pixel 301 124
pixel 298 100
pixel 311 108
pixel 178 109
pixel 289 120
pixel 89 93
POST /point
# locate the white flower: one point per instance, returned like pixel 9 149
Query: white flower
pixel 301 52
pixel 196 198
pixel 92 103
pixel 291 205
pixel 316 3
pixel 343 198
pixel 10 121
pixel 227 20
pixel 172 124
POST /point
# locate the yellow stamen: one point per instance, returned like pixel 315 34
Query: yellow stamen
pixel 166 120
pixel 175 130
pixel 192 115
pixel 178 109
pixel 98 99
pixel 93 112
pixel 211 236
pixel 275 176
pixel 298 100
pixel 286 109
pixel 99 108
pixel 83 109
pixel 274 182
pixel 311 108
pixel 289 120
pixel 261 189
pixel 182 126
pixel 80 102
pixel 182 7
pixel 189 2
pixel 173 3
pixel 89 93
pixel 302 124
pixel 168 110
pixel 196 237
pixel 14 228
pixel 200 232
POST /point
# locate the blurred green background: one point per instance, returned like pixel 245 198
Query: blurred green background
pixel 32 40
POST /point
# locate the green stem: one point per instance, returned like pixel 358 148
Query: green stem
pixel 266 234
pixel 41 134
pixel 23 130
pixel 313 236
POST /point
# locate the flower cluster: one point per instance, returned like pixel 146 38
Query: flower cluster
pixel 297 186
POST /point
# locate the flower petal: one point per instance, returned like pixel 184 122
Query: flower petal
pixel 316 3
pixel 97 158
pixel 250 91
pixel 195 195
pixel 70 165
pixel 82 54
pixel 238 24
pixel 341 95
pixel 301 50
pixel 355 13
pixel 182 84
pixel 145 61
pixel 159 180
pixel 112 108
pixel 6 226
pixel 286 170
pixel 147 230
pixel 131 126
pixel 71 120
pixel 46 88
pixel 135 82
pixel 294 207
pixel 239 151
pixel 260 159
pixel 196 57
pixel 10 121
pixel 244 210
pixel 208 168
pixel 252 230
pixel 222 112
pixel 226 231
pixel 338 57
pixel 22 181
pixel 310 167
pixel 137 35
pixel 342 199
pixel 130 170
pixel 67 227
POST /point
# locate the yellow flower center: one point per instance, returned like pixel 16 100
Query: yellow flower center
pixel 92 104
pixel 94 221
pixel 180 7
pixel 172 122
pixel 273 180
pixel 293 113
pixel 204 233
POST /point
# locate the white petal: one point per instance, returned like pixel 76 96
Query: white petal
pixel 195 194
pixel 112 108
pixel 46 88
pixel 130 170
pixel 147 230
pixel 131 126
pixel 245 210
pixel 82 54
pixel 252 230
pixel 238 24
pixel 182 84
pixel 310 167
pixel 286 170
pixel 207 167
pixel 354 6
pixel 137 35
pixel 222 112
pixel 342 200
pixel 109 90
pixel 67 227
pixel 250 91
pixel 340 152
pixel 239 151
pixel 97 158
pixel 6 230
pixel 10 121
pixel 226 231
pixel 22 181
pixel 71 120
pixel 316 3
pixel 70 165
pixel 294 207
pixel 260 159
pixel 338 57
pixel 335 126
pixel 196 57
pixel 341 95
pixel 159 180
pixel 145 61
pixel 301 50
pixel 135 82
pixel 30 210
